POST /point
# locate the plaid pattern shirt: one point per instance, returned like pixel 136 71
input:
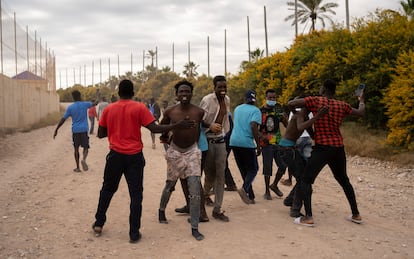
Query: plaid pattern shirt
pixel 327 127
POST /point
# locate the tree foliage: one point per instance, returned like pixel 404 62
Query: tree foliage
pixel 377 51
pixel 399 101
pixel 408 8
pixel 311 11
pixel 190 70
pixel 366 54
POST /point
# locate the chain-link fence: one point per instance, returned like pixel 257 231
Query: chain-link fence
pixel 24 55
pixel 27 76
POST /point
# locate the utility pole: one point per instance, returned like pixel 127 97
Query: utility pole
pixel 347 13
pixel 248 40
pixel 265 25
pixel 296 18
pixel 208 56
pixel 225 52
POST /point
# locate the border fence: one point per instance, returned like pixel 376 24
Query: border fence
pixel 24 55
pixel 27 76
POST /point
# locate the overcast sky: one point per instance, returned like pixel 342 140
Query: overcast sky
pixel 80 32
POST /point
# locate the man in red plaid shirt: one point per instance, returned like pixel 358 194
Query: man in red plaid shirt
pixel 329 147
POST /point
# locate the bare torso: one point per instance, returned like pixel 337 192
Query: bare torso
pixel 292 132
pixel 184 138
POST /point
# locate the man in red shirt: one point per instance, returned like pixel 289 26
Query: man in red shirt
pixel 329 147
pixel 121 122
pixel 92 115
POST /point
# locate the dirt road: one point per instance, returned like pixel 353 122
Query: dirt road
pixel 47 210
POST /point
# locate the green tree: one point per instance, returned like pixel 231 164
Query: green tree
pixel 408 8
pixel 151 55
pixel 399 101
pixel 154 87
pixel 166 69
pixel 256 55
pixel 311 10
pixel 202 86
pixel 190 70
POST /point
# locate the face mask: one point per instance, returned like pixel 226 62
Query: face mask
pixel 270 102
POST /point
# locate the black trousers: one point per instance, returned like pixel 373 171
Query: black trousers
pixel 132 166
pixel 335 158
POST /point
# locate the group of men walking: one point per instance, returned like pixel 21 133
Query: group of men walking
pixel 196 143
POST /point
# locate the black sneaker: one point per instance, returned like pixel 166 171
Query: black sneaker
pixel 135 240
pixel 295 213
pixel 184 210
pixel 276 190
pixel 288 202
pixel 197 235
pixel 220 216
pixel 161 217
pixel 209 202
pixel 231 188
pixel 267 196
pixel 244 196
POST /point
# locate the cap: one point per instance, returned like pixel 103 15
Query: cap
pixel 250 96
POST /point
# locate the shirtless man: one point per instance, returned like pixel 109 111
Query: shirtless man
pixel 183 155
pixel 291 155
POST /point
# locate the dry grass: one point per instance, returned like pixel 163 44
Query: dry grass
pixel 50 119
pixel 364 142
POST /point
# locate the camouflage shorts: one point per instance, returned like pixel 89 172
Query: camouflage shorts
pixel 183 163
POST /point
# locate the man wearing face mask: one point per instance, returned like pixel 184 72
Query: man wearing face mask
pixel 272 115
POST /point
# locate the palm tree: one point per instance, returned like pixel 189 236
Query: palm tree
pixel 311 10
pixel 190 69
pixel 408 8
pixel 166 69
pixel 256 54
pixel 151 54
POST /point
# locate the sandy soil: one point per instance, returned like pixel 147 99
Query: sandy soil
pixel 47 210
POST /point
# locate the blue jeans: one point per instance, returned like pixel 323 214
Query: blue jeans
pixel 132 166
pixel 246 161
pixel 194 190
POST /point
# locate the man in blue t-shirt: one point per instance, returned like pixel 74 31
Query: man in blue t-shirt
pixel 244 141
pixel 78 111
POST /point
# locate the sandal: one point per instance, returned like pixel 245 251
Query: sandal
pixel 355 219
pixel 97 230
pixel 84 165
pixel 299 221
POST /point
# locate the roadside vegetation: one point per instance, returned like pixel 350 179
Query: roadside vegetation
pixel 377 50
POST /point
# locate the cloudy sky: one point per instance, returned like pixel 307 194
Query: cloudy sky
pixel 80 32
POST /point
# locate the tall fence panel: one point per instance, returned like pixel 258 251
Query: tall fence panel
pixel 22 106
pixel 22 51
pixel 27 76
